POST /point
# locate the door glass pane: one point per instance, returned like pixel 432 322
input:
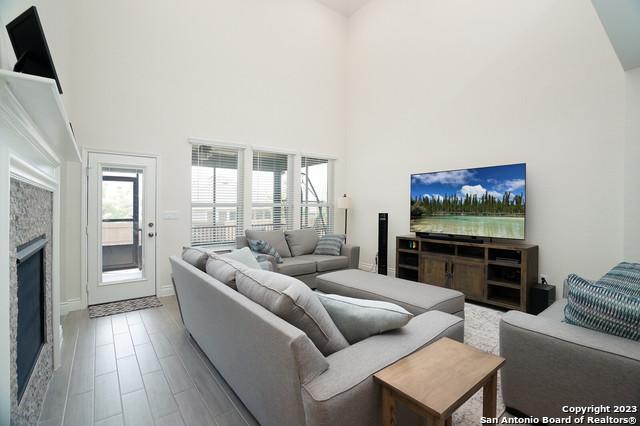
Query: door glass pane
pixel 121 237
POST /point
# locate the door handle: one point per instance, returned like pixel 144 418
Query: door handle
pixel 152 234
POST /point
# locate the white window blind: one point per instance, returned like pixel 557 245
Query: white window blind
pixel 316 210
pixel 271 191
pixel 216 195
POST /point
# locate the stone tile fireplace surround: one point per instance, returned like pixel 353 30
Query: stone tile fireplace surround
pixel 35 141
pixel 31 216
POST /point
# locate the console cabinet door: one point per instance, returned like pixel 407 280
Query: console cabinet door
pixel 469 278
pixel 435 270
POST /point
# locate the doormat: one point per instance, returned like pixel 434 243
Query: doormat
pixel 113 308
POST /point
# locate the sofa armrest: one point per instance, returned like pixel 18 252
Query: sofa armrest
pixel 266 266
pixel 551 363
pixel 242 242
pixel 346 392
pixel 353 253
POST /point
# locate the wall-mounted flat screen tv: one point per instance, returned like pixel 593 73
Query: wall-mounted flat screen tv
pixel 486 202
pixel 30 45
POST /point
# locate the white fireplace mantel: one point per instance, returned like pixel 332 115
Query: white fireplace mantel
pixel 35 139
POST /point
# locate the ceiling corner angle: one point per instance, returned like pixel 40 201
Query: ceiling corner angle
pixel 344 7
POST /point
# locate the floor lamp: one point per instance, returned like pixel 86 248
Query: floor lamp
pixel 344 203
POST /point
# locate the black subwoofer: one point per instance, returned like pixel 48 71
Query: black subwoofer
pixel 541 296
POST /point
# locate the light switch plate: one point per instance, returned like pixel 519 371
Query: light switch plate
pixel 170 215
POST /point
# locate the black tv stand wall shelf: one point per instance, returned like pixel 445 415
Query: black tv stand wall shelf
pixel 497 274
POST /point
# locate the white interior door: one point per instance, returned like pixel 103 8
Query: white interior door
pixel 121 227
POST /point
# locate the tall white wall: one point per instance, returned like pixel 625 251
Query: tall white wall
pixel 419 86
pixel 632 171
pixel 437 85
pixel 147 75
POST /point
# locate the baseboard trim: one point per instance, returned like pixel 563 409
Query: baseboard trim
pixel 165 291
pixel 370 267
pixel 76 304
pixel 70 306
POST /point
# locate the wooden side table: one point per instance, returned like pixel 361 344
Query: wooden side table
pixel 438 379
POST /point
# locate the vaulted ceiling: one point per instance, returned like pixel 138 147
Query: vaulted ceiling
pixel 621 20
pixel 344 7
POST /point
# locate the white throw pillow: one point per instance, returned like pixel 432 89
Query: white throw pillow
pixel 244 256
pixel 358 319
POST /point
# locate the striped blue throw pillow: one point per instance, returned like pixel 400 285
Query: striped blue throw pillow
pixel 600 308
pixel 624 277
pixel 263 247
pixel 330 245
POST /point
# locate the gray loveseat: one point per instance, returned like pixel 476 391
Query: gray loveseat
pixel 551 364
pixel 296 248
pixel 277 371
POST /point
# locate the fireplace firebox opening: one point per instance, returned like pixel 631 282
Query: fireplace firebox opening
pixel 31 333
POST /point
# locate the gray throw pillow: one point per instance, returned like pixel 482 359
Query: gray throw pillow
pixel 275 238
pixel 330 245
pixel 358 319
pixel 263 247
pixel 301 241
pixel 224 269
pixel 195 257
pixel 294 302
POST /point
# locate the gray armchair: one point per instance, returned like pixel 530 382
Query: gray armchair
pixel 551 364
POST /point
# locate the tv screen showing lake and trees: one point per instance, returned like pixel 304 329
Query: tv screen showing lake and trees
pixel 485 202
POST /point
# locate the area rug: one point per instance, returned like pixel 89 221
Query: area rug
pixel 480 331
pixel 105 309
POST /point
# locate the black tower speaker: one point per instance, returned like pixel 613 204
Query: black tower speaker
pixel 383 242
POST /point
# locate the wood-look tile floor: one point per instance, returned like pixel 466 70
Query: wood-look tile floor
pixel 139 368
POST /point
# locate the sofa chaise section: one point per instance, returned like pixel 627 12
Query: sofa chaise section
pixel 416 298
pixel 346 392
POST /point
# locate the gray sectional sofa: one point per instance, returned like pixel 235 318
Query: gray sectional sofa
pixel 280 375
pixel 296 248
pixel 551 363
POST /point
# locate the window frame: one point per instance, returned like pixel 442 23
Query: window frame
pixel 287 206
pixel 239 205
